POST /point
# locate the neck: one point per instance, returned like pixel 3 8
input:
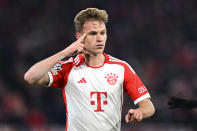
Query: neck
pixel 94 60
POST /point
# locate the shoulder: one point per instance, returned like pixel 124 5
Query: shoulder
pixel 64 66
pixel 116 60
pixel 72 61
pixel 69 61
pixel 66 62
pixel 113 60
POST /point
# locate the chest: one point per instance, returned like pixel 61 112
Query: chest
pixel 107 78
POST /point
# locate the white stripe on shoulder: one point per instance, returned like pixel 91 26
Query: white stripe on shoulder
pixel 76 60
pixel 113 58
pixel 118 60
pixel 67 61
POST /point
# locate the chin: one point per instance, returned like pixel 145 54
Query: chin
pixel 97 52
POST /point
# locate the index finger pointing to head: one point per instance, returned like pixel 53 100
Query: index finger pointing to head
pixel 82 37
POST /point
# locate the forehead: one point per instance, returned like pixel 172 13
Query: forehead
pixel 94 25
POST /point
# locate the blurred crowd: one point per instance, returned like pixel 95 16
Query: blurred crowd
pixel 158 38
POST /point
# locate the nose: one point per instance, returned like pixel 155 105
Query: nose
pixel 99 38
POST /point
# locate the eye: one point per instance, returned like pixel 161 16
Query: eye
pixel 103 33
pixel 92 33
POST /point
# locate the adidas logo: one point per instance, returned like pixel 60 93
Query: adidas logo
pixel 82 80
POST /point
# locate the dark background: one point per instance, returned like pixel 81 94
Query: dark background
pixel 156 37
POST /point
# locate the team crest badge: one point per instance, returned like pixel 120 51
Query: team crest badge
pixel 55 68
pixel 111 78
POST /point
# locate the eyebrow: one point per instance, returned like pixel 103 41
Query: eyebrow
pixel 93 31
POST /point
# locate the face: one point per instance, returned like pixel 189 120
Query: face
pixel 95 36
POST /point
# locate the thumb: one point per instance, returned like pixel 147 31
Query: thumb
pixel 131 111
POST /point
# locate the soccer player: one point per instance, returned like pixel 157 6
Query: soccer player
pixel 93 82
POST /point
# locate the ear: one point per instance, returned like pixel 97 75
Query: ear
pixel 77 35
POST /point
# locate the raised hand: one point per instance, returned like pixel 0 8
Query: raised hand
pixel 76 47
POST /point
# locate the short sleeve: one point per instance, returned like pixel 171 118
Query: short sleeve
pixel 58 75
pixel 133 86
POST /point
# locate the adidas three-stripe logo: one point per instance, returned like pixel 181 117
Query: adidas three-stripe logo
pixel 82 80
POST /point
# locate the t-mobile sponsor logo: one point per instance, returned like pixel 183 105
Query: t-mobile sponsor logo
pixel 99 101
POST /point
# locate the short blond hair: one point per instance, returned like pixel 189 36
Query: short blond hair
pixel 89 14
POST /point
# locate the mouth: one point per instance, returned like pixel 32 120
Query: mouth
pixel 99 46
